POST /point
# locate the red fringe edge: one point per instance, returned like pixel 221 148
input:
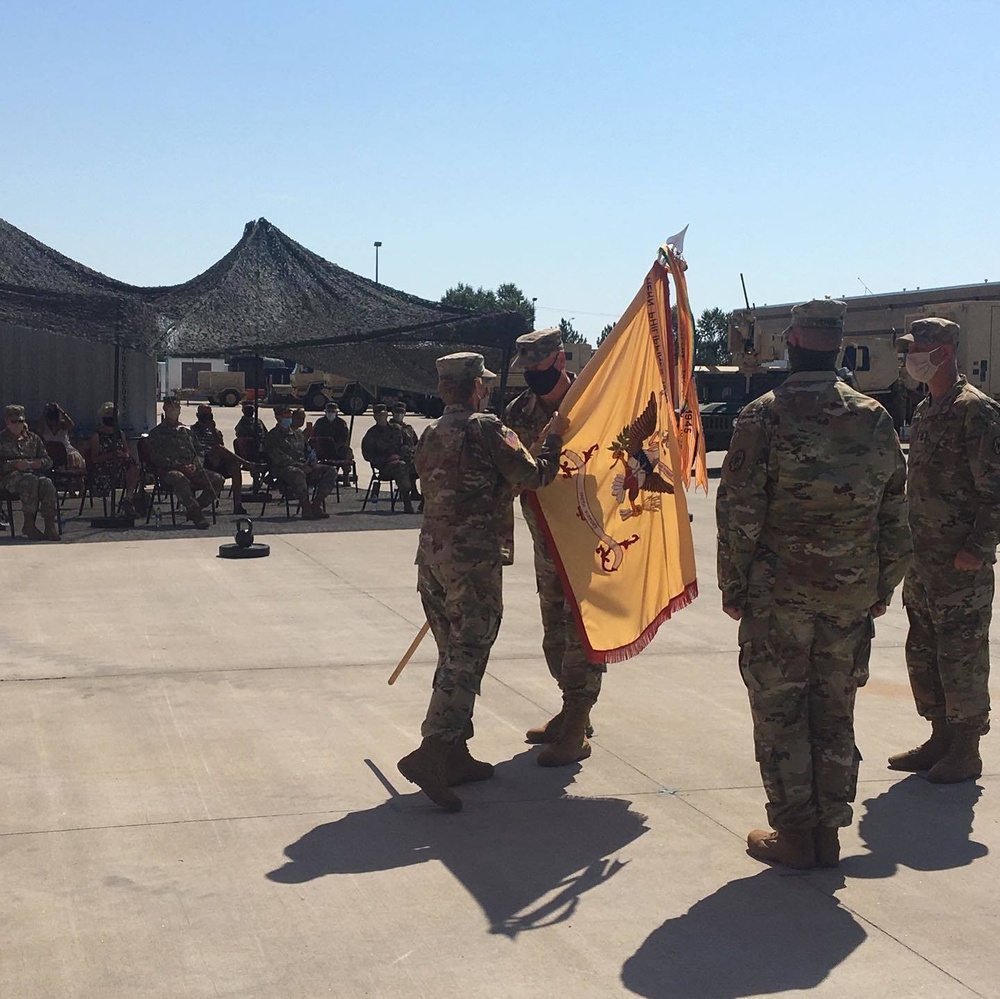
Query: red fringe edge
pixel 624 652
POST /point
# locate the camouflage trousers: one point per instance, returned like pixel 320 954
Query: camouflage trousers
pixel 463 603
pixel 36 492
pixel 298 480
pixel 947 646
pixel 210 484
pixel 578 678
pixel 398 472
pixel 802 672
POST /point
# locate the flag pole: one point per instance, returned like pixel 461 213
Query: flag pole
pixel 417 639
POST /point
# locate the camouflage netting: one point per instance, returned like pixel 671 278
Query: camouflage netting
pixel 268 295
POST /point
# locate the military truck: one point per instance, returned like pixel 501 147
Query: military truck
pixel 723 390
pixel 313 389
pixel 218 388
pixel 872 325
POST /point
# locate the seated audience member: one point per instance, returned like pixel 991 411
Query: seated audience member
pixel 288 456
pixel 23 462
pixel 216 457
pixel 175 457
pixel 410 440
pixel 55 426
pixel 332 440
pixel 111 463
pixel 385 449
pixel 250 434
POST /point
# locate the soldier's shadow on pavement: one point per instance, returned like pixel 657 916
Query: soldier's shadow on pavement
pixel 523 848
pixel 756 936
pixel 915 824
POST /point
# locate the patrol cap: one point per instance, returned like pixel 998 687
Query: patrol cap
pixel 932 330
pixel 825 315
pixel 332 407
pixel 13 412
pixel 399 406
pixel 380 408
pixel 534 347
pixel 107 409
pixel 204 410
pixel 282 408
pixel 171 400
pixel 463 365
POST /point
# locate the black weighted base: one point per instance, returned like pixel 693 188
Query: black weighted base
pixel 256 550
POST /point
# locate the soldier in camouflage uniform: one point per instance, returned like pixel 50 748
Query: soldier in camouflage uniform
pixel 175 456
pixel 288 457
pixel 22 457
pixel 468 462
pixel 409 441
pixel 812 539
pixel 543 359
pixel 954 508
pixel 385 448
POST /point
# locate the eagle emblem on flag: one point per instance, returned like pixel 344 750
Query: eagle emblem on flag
pixel 637 449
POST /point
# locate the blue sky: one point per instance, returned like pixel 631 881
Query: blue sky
pixel 551 144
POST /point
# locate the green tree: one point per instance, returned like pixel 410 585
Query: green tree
pixel 605 333
pixel 507 297
pixel 711 337
pixel 570 334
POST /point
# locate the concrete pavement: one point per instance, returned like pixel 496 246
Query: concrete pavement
pixel 199 798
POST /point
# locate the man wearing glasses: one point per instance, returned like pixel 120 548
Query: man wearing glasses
pixel 23 460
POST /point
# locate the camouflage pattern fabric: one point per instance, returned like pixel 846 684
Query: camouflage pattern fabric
pixel 954 505
pixel 172 446
pixel 812 532
pixel 298 480
pixel 469 464
pixel 464 604
pixel 338 435
pixel 210 484
pixel 578 678
pixel 379 444
pixel 285 448
pixel 801 672
pixel 36 492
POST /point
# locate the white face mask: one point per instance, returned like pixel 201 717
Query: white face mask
pixel 331 416
pixel 920 366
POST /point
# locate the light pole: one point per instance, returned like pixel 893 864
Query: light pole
pixel 378 243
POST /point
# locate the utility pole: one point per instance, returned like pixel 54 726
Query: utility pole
pixel 378 243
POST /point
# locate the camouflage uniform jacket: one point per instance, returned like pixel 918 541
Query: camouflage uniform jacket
pixel 206 436
pixel 172 447
pixel 468 463
pixel 811 510
pixel 285 448
pixel 409 437
pixel 27 447
pixel 379 443
pixel 954 476
pixel 336 430
pixel 250 428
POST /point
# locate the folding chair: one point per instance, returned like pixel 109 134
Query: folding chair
pixel 373 488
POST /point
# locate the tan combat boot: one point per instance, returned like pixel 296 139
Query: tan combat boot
pixel 826 841
pixel 427 767
pixel 962 761
pixel 572 745
pixel 318 509
pixel 463 768
pixel 551 730
pixel 29 529
pixel 306 511
pixel 788 847
pixel 924 757
pixel 51 529
pixel 196 517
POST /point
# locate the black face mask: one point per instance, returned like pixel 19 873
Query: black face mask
pixel 108 421
pixel 543 382
pixel 801 359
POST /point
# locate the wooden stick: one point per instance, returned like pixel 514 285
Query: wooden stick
pixel 409 652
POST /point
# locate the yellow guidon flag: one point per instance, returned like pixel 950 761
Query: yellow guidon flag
pixel 615 517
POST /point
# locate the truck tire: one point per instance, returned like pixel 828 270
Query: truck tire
pixel 317 401
pixel 229 397
pixel 354 401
